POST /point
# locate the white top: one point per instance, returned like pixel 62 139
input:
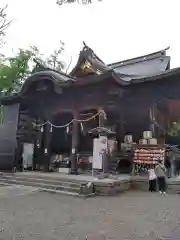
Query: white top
pixel 152 174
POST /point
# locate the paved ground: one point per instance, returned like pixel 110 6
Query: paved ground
pixel 131 216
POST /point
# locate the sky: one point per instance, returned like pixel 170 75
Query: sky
pixel 114 29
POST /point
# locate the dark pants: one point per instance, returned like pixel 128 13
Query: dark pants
pixel 152 185
pixel 162 184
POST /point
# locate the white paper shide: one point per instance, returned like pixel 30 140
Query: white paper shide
pixel 99 147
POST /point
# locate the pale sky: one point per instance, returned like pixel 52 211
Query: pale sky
pixel 114 29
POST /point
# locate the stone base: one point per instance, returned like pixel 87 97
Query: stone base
pixel 61 182
pixel 85 185
pixel 63 170
pixel 140 183
pixel 112 188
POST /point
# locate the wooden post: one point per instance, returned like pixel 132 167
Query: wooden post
pixel 47 141
pixel 18 156
pixel 37 147
pixel 152 119
pixel 75 143
pixel 121 124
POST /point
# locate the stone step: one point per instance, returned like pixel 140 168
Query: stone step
pixel 38 189
pixel 61 192
pixel 67 193
pixel 50 184
pixel 41 185
pixel 49 176
pixel 54 181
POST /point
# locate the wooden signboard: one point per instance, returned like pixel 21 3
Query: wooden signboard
pixel 149 154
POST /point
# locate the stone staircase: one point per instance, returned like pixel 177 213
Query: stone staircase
pixel 49 184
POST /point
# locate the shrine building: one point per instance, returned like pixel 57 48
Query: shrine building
pixel 55 112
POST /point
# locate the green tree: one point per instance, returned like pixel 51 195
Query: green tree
pixel 175 129
pixel 54 60
pixel 15 70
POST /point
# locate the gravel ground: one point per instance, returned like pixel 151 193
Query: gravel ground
pixel 130 216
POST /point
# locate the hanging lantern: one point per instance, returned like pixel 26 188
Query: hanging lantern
pixel 82 128
pixel 105 115
pixel 38 144
pixel 42 130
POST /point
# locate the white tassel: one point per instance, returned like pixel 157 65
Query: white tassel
pixel 67 129
pixel 42 130
pixel 37 144
pixel 51 129
pixel 82 128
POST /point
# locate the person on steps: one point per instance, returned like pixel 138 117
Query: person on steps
pixel 152 179
pixel 160 171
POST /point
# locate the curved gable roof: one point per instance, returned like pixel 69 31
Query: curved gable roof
pixel 149 56
pixel 89 62
pixel 145 65
pixel 60 79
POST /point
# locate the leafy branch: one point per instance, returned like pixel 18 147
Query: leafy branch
pixel 175 129
pixel 15 70
pixel 4 23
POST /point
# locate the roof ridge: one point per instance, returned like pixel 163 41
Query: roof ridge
pixel 141 58
pixel 86 49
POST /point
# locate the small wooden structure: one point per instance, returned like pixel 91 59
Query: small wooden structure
pixel 55 111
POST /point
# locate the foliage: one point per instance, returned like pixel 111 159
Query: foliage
pixel 14 70
pixel 175 129
pixel 4 23
pixel 61 2
pixel 54 60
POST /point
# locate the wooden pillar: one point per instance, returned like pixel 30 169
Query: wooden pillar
pixel 18 156
pixel 39 152
pixel 122 124
pixel 152 119
pixel 75 143
pixel 47 141
pixel 120 131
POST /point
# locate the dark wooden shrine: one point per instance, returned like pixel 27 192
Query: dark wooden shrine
pixel 126 91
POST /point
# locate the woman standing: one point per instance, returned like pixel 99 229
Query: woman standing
pixel 160 172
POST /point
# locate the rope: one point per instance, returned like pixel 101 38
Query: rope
pixel 61 126
pixel 67 124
